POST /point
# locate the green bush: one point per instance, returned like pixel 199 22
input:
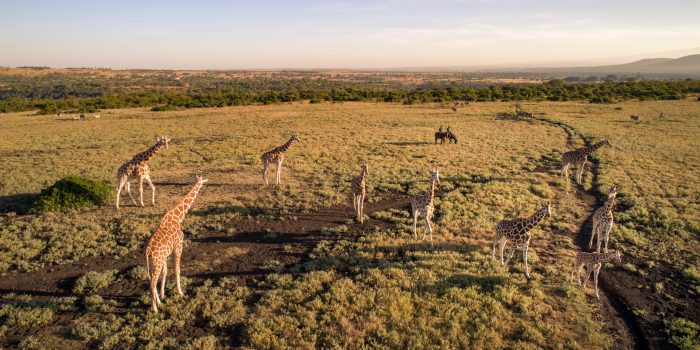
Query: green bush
pixel 71 193
pixel 93 281
pixel 683 333
pixel 163 108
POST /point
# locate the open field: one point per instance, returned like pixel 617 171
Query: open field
pixel 287 267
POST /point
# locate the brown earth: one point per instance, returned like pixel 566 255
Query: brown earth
pixel 260 241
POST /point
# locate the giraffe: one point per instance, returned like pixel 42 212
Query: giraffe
pixel 516 231
pixel 138 166
pixel 276 155
pixel 424 205
pixel 358 185
pixel 593 263
pixel 166 240
pixel 579 157
pixel 603 220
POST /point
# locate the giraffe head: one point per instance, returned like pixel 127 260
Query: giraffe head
pixel 616 255
pixel 606 143
pixel 436 175
pixel 295 137
pixel 365 169
pixel 201 180
pixel 547 207
pixel 163 141
pixel 612 192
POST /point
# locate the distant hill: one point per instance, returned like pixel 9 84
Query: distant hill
pixel 686 66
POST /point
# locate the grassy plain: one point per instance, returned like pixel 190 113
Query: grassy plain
pixel 372 285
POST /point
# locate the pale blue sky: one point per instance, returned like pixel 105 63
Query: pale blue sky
pixel 340 34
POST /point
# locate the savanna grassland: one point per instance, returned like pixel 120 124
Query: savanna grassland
pixel 288 267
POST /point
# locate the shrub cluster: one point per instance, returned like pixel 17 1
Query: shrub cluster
pixel 71 193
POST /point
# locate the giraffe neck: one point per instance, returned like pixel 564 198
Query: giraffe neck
pixel 591 148
pixel 286 145
pixel 432 191
pixel 533 220
pixel 607 256
pixel 146 155
pixel 187 202
pixel 608 206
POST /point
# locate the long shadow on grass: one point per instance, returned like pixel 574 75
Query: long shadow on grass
pixel 18 203
pixel 407 143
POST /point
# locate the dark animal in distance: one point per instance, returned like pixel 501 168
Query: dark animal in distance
pixel 634 117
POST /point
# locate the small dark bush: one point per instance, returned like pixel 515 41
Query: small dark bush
pixel 163 108
pixel 71 193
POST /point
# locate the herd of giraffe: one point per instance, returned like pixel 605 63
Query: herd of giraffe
pixel 168 237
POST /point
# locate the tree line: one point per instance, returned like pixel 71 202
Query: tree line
pixel 318 91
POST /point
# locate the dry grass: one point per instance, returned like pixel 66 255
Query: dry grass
pixel 386 290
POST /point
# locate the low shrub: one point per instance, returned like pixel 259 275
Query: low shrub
pixel 93 281
pixel 72 193
pixel 683 333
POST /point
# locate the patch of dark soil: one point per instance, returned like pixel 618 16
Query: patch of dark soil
pixel 247 255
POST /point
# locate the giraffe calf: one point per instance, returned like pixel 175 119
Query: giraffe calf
pixel 593 262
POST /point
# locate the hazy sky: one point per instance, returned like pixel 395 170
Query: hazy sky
pixel 340 34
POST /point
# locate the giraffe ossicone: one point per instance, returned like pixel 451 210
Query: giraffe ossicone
pixel 517 231
pixel 138 167
pixel 168 240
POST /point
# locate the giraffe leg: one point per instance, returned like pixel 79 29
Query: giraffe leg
pixel 578 273
pixel 596 271
pixel 162 282
pixel 527 268
pixel 493 248
pixel 415 222
pixel 593 232
pixel 279 171
pixel 503 246
pixel 354 201
pixel 119 189
pixel 430 229
pixel 588 275
pixel 128 190
pixel 264 172
pixel 511 250
pixel 155 273
pixel 362 207
pixel 141 189
pixel 607 228
pixel 153 189
pixel 580 172
pixel 564 170
pixel 178 254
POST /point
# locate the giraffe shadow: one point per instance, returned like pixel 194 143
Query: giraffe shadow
pixel 486 283
pixel 231 209
pixel 407 143
pixel 18 203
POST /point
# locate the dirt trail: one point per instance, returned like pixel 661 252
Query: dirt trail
pixel 619 319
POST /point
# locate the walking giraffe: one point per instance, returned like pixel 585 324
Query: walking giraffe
pixel 579 157
pixel 424 205
pixel 593 263
pixel 276 155
pixel 516 231
pixel 138 166
pixel 603 220
pixel 167 240
pixel 358 185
